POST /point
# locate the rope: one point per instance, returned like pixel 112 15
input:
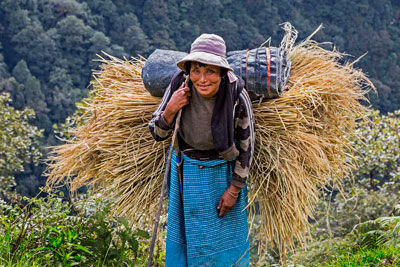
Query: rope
pixel 167 170
pixel 247 77
pixel 268 52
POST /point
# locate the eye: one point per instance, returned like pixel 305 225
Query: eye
pixel 210 71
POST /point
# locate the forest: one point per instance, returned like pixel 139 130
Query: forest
pixel 49 48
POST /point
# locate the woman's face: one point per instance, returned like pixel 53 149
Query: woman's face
pixel 205 78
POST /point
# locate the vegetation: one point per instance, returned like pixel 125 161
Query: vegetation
pixel 371 234
pixel 47 47
pixel 377 148
pixel 58 231
pixel 19 144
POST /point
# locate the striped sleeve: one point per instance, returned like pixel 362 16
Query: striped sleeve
pixel 245 137
pixel 159 128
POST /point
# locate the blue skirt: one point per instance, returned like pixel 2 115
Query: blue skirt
pixel 196 236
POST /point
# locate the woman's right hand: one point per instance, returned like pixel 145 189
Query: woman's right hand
pixel 179 99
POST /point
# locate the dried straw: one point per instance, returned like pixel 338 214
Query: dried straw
pixel 301 143
pixel 301 139
pixel 113 150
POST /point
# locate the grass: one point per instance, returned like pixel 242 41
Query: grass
pixel 51 231
pixel 366 257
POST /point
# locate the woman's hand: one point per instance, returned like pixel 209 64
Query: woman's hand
pixel 228 200
pixel 179 99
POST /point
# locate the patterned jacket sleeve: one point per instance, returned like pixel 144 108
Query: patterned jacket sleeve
pixel 245 137
pixel 159 128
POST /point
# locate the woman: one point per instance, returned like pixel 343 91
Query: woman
pixel 207 220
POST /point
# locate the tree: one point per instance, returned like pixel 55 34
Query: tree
pixel 228 30
pixel 98 43
pixel 377 148
pixel 105 8
pixel 35 46
pixel 30 88
pixel 73 33
pixel 19 143
pixel 128 33
pixel 3 66
pixel 16 19
pixel 59 98
pixel 50 11
pixel 34 96
pixel 21 71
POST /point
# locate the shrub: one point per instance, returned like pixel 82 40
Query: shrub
pixel 54 231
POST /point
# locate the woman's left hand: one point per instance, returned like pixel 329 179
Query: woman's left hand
pixel 227 200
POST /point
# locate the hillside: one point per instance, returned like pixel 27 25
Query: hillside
pixel 47 47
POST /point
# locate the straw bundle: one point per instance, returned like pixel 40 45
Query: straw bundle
pixel 300 140
pixel 113 150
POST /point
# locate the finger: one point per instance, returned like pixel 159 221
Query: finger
pixel 183 94
pixel 220 203
pixel 221 209
pixel 182 85
pixel 221 212
pixel 185 90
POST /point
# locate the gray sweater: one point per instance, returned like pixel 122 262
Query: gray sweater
pixel 195 127
pixel 198 133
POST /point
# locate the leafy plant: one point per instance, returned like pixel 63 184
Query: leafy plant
pixel 19 143
pixel 64 246
pixel 379 256
pixel 374 233
pixel 370 242
pixel 57 231
pixel 377 148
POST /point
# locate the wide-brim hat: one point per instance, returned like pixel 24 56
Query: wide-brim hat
pixel 207 49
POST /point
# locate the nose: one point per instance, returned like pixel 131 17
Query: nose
pixel 202 77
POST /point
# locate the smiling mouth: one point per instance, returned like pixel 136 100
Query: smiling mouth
pixel 203 86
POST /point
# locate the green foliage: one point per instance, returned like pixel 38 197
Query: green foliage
pixel 19 142
pixel 360 226
pixel 73 34
pixel 21 71
pixel 332 214
pixel 27 93
pixel 63 131
pixel 3 67
pixel 54 231
pixel 377 148
pixel 370 242
pixel 379 256
pixel 268 258
pixel 58 40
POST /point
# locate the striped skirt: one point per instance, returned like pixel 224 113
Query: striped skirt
pixel 196 236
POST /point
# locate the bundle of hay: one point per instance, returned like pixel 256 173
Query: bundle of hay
pixel 300 140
